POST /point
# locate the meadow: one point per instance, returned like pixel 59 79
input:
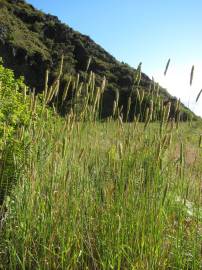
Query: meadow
pixel 91 194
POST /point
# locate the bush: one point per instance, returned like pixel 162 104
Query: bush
pixel 15 115
pixel 14 107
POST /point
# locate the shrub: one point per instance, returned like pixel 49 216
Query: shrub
pixel 14 107
pixel 15 114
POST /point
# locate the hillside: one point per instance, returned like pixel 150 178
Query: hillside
pixel 32 42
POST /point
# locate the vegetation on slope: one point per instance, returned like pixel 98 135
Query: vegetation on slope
pixel 32 42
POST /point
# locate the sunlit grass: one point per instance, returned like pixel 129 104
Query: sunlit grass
pixel 104 195
pixel 98 197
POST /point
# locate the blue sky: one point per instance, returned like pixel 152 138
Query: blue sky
pixel 147 31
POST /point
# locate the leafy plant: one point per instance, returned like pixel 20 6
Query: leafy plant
pixel 14 107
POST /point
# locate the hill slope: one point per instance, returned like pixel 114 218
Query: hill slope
pixel 31 42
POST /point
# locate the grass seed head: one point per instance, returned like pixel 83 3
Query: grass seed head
pixel 198 96
pixel 191 75
pixel 167 66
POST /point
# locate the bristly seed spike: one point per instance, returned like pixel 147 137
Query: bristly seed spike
pixel 191 75
pixel 167 66
pixel 198 96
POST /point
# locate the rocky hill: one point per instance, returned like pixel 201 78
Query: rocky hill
pixel 32 42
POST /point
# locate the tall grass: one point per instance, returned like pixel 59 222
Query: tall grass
pixel 109 195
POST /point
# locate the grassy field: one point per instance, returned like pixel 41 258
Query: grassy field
pixel 104 195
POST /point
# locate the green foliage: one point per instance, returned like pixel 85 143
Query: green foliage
pixel 19 35
pixel 17 111
pixel 14 114
pixel 14 108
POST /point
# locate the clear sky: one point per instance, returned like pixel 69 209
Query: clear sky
pixel 147 31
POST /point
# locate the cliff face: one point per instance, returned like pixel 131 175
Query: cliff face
pixel 31 42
